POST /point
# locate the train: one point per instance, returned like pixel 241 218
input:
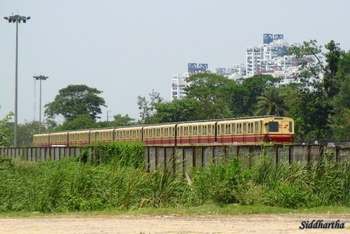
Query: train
pixel 224 132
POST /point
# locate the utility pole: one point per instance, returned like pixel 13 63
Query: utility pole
pixel 40 78
pixel 16 19
pixel 108 115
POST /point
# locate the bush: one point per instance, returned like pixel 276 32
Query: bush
pixel 119 182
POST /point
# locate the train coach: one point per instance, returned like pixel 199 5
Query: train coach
pixel 242 131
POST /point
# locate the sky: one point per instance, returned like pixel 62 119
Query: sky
pixel 127 48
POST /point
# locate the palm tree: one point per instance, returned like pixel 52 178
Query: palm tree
pixel 272 103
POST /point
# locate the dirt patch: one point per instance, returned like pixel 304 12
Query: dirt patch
pixel 171 224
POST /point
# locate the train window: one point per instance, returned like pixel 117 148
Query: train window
pixel 244 127
pixel 199 130
pixel 249 128
pixel 228 129
pixel 218 130
pixel 126 134
pixel 290 127
pixel 239 128
pixel 233 128
pixel 204 130
pixel 273 126
pixel 195 130
pixel 133 133
pixel 186 131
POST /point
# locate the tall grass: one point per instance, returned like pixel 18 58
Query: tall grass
pixel 119 182
pixel 296 185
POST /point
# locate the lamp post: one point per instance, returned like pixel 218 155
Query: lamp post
pixel 108 115
pixel 16 19
pixel 40 78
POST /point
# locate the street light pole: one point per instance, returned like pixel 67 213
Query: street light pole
pixel 40 78
pixel 16 19
pixel 108 114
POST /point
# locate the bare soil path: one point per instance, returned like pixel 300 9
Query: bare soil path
pixel 266 224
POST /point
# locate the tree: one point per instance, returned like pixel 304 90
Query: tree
pixel 120 120
pixel 76 100
pixel 340 117
pixel 304 54
pixel 307 109
pixel 5 134
pixel 207 87
pixel 271 103
pixel 185 109
pixel 147 108
pixel 84 121
pixel 255 87
pixel 320 96
pixel 217 96
pixel 26 131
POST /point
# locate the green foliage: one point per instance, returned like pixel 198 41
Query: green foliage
pixel 256 86
pixel 5 134
pixel 185 109
pixel 130 154
pixel 220 183
pixel 147 108
pixel 75 100
pixel 72 185
pixel 120 120
pixel 79 122
pixel 217 96
pixel 272 103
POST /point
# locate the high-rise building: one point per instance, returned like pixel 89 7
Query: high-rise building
pixel 270 58
pixel 178 84
pixel 260 59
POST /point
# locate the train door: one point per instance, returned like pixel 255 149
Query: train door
pixel 244 133
pixel 239 133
